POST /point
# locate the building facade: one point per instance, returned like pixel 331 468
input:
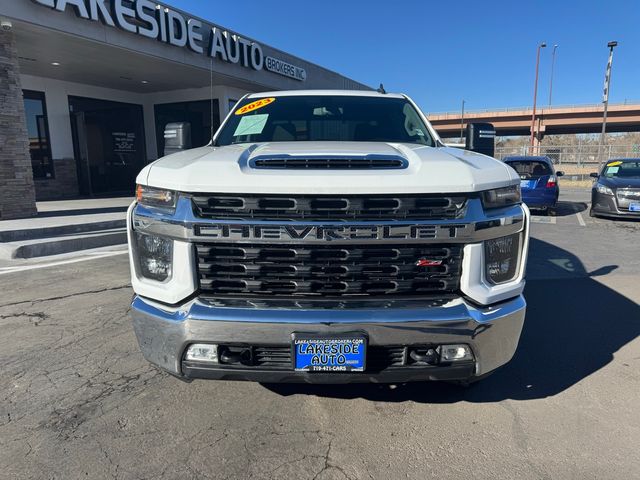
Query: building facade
pixel 87 87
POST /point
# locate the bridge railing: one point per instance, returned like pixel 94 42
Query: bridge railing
pixel 541 109
pixel 577 161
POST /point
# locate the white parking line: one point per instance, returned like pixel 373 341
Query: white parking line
pixel 537 219
pixel 90 256
pixel 580 219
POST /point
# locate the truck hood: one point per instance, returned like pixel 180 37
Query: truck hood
pixel 227 170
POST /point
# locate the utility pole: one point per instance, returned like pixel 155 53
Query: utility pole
pixel 605 98
pixel 535 95
pixel 462 122
pixel 553 61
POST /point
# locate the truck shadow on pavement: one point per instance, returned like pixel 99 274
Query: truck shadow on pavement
pixel 574 326
pixel 564 209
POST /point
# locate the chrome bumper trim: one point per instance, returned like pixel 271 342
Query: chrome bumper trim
pixel 492 332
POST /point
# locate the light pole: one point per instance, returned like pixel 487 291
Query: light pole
pixel 553 61
pixel 535 94
pixel 462 122
pixel 605 96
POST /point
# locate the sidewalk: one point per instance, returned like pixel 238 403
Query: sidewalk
pixel 65 226
pixel 89 205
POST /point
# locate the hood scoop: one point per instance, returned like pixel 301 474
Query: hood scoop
pixel 329 162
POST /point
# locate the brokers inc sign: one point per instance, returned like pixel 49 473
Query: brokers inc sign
pixel 283 68
pixel 153 20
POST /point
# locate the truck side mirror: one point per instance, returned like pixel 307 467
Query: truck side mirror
pixel 177 137
pixel 594 175
pixel 481 138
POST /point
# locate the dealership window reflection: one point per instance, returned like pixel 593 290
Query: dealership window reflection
pixel 202 115
pixel 38 131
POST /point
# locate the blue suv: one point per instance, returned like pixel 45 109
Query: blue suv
pixel 538 181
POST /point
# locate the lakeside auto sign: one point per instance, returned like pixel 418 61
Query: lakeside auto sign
pixel 153 20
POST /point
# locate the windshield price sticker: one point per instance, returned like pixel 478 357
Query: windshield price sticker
pixel 251 125
pixel 250 107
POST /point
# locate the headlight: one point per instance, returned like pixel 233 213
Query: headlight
pixel 156 197
pixel 603 189
pixel 501 197
pixel 155 256
pixel 502 258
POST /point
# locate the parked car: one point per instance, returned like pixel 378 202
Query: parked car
pixel 616 191
pixel 538 181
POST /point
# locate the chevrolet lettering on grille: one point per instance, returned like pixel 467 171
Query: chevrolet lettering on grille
pixel 324 233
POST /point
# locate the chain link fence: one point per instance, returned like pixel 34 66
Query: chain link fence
pixel 576 161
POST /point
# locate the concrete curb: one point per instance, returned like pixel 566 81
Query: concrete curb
pixel 56 231
pixel 56 246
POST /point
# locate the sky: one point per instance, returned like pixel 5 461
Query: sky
pixel 441 53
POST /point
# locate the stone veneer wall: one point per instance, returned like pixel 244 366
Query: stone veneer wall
pixel 17 192
pixel 63 185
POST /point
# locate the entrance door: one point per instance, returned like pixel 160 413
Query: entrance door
pixel 108 145
pixel 81 150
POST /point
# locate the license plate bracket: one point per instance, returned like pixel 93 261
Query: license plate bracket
pixel 333 353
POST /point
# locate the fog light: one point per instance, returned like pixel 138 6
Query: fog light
pixel 202 352
pixel 455 353
pixel 155 256
pixel 502 257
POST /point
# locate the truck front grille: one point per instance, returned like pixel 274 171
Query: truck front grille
pixel 272 357
pixel 328 207
pixel 626 196
pixel 313 271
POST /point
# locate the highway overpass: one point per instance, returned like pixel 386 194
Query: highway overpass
pixel 621 117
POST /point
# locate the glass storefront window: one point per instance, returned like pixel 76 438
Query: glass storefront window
pixel 38 131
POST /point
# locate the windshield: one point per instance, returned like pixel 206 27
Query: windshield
pixel 622 169
pixel 316 118
pixel 530 168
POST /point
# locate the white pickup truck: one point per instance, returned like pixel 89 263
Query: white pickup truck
pixel 328 236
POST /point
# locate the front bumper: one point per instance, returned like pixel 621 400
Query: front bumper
pixel 492 332
pixel 606 205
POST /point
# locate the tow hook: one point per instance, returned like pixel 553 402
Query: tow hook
pixel 421 355
pixel 233 357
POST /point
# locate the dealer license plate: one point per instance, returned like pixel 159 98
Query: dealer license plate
pixel 329 354
pixel 634 207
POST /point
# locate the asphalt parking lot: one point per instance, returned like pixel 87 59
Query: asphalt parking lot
pixel 77 400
